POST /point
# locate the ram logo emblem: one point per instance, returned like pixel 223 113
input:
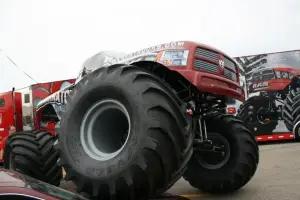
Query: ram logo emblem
pixel 221 63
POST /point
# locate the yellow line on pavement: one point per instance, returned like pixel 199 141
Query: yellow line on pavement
pixel 194 195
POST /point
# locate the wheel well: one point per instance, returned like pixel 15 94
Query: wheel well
pixel 48 114
pixel 184 89
pixel 175 80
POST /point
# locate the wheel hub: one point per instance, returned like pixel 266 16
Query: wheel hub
pixel 216 154
pixel 263 116
pixel 105 129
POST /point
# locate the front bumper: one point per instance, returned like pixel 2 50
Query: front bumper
pixel 215 84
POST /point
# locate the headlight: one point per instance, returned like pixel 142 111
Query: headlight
pixel 173 57
pixel 242 84
pixel 283 75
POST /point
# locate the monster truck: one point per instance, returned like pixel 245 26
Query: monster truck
pixel 272 84
pixel 132 125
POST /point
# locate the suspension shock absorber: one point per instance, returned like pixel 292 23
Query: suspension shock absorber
pixel 204 130
pixel 203 133
pixel 200 129
pixel 199 122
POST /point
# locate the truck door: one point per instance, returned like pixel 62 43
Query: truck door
pixel 6 113
pixel 6 117
pixel 9 103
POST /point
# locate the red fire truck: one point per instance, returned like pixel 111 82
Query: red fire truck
pixel 17 107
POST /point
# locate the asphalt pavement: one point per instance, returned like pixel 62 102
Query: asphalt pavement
pixel 277 177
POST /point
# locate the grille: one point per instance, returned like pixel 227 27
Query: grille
pixel 230 75
pixel 211 67
pixel 207 66
pixel 207 54
pixel 229 64
pixel 263 75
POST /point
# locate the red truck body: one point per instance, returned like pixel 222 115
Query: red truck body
pixel 18 108
pixel 207 68
pixel 272 82
pixel 219 82
pixel 9 102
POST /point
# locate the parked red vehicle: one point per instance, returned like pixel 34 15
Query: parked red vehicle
pixel 18 108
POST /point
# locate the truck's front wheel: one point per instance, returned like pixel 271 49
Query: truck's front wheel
pixel 124 135
pixel 233 165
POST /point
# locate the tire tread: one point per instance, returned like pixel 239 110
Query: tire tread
pixel 291 109
pixel 240 174
pixel 34 156
pixel 169 135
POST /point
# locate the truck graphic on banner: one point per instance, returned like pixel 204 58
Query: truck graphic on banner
pixel 274 94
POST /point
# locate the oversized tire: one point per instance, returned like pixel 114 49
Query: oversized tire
pixel 291 110
pixel 32 153
pixel 249 114
pixel 227 172
pixel 124 134
pixel 296 131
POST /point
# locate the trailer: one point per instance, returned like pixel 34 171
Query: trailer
pixel 18 108
pixel 272 107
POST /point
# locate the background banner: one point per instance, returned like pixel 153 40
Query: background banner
pixel 268 77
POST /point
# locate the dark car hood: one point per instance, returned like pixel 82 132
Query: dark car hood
pixel 11 179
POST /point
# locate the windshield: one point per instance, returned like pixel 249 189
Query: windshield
pixel 101 59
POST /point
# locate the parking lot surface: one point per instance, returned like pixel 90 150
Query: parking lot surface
pixel 277 177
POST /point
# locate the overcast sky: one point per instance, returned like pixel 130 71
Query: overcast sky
pixel 51 39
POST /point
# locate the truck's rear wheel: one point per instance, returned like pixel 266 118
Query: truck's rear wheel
pixel 291 110
pixel 124 134
pixel 32 153
pixel 229 169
